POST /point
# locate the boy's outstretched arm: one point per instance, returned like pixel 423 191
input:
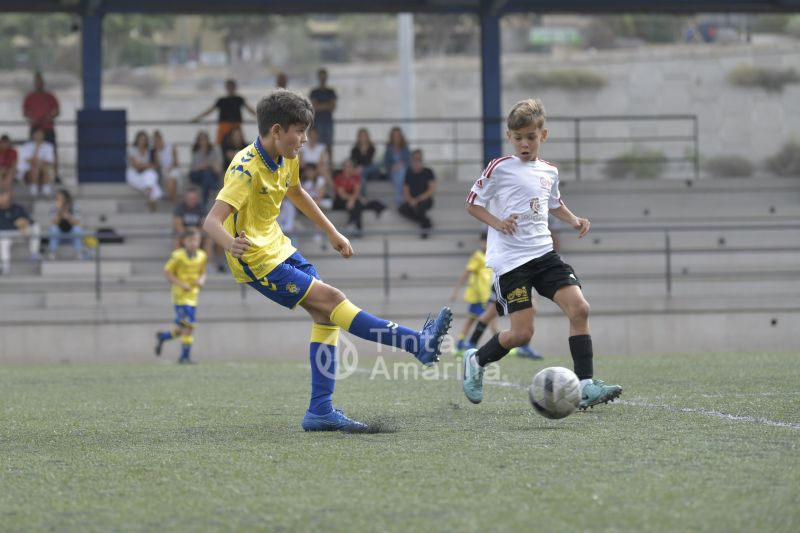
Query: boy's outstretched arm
pixel 213 226
pixel 565 215
pixel 507 226
pixel 300 198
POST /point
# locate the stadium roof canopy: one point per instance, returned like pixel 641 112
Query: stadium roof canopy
pixel 493 7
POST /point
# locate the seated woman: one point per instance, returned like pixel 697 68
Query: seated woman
pixel 363 155
pixel 141 173
pixel 165 156
pixel 232 144
pixel 348 197
pixel 65 221
pixel 206 166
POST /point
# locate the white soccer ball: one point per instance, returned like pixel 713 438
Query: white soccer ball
pixel 555 392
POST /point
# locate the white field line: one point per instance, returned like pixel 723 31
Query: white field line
pixel 691 410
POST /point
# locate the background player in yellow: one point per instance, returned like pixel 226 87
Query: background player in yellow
pixel 481 298
pixel 478 278
pixel 243 222
pixel 186 271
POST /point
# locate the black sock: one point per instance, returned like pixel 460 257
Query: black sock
pixel 491 351
pixel 580 346
pixel 480 327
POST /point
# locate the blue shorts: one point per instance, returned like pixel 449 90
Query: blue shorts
pixel 476 309
pixel 288 283
pixel 185 315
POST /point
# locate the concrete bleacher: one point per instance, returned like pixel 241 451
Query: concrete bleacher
pixel 739 277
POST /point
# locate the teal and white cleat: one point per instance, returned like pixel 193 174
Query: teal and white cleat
pixel 598 392
pixel 333 421
pixel 473 377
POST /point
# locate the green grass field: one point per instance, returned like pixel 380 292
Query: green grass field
pixel 218 446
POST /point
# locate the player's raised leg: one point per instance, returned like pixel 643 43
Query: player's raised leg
pixel 593 391
pixel 424 344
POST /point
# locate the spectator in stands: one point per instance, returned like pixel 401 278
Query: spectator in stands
pixel 40 109
pixel 15 223
pixel 315 153
pixel 418 190
pixel 206 166
pixel 188 214
pixel 396 161
pixel 315 185
pixel 141 173
pixel 363 155
pixel 8 164
pixel 281 80
pixel 65 220
pixel 233 143
pixel 165 157
pixel 230 111
pixel 349 198
pixel 36 160
pixel 323 98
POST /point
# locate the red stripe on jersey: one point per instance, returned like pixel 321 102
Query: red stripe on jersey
pixel 471 197
pixel 548 163
pixel 493 165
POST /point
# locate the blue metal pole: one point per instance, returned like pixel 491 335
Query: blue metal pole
pixel 92 59
pixel 491 86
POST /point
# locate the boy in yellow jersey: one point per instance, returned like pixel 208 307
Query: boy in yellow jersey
pixel 186 270
pixel 243 222
pixel 479 281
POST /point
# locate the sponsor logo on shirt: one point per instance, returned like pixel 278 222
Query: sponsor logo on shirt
pixel 546 182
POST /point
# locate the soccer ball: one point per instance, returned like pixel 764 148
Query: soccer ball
pixel 555 392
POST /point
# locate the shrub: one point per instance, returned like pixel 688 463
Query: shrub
pixel 567 79
pixel 767 78
pixel 729 166
pixel 787 161
pixel 638 163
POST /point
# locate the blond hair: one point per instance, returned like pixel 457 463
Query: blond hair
pixel 526 112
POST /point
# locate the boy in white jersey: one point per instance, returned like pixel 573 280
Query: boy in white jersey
pixel 513 197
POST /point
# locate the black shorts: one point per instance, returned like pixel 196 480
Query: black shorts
pixel 546 274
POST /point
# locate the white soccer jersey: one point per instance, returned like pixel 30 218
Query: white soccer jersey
pixel 528 189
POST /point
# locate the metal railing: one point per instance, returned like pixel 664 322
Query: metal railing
pixel 454 146
pixel 667 234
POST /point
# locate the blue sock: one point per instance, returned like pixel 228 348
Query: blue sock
pixel 372 328
pixel 322 356
pixel 186 346
pixel 165 335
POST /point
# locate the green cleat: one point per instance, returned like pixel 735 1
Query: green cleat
pixel 598 392
pixel 473 377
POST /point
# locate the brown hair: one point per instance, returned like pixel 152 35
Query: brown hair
pixel 526 112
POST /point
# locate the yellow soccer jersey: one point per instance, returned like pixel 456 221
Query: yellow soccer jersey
pixel 255 186
pixel 479 282
pixel 187 269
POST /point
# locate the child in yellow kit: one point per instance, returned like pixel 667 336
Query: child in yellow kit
pixel 186 271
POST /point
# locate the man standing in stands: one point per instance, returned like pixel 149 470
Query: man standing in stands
pixel 41 109
pixel 323 98
pixel 230 112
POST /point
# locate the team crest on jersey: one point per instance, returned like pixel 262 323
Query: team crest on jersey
pixel 545 182
pixel 292 288
pixel 535 207
pixel 518 296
